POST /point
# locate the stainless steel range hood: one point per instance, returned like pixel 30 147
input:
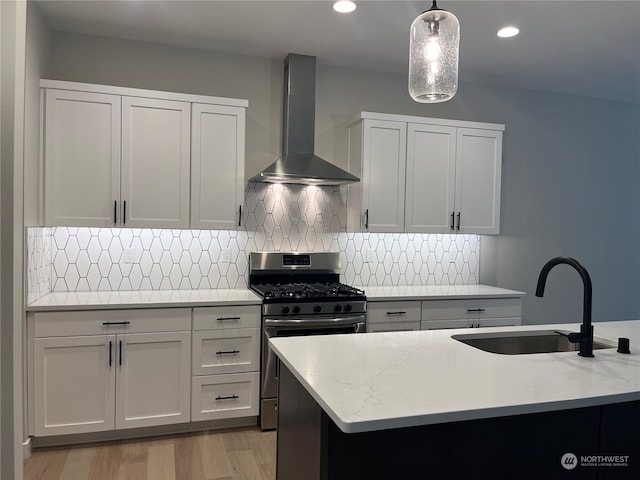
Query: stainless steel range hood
pixel 298 164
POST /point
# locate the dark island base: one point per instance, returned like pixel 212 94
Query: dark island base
pixel 312 447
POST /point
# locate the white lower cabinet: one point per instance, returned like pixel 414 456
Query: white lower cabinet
pixel 399 316
pixel 393 316
pixel 74 384
pixel 152 379
pixel 225 396
pixel 471 313
pixel 225 362
pixel 90 375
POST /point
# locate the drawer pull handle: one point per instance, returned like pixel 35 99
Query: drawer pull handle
pixel 229 397
pixel 396 313
pixel 110 352
pixel 228 352
pixel 120 354
pixel 475 309
pixel 222 319
pixel 115 323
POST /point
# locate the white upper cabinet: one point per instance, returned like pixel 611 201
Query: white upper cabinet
pixel 121 157
pixel 424 175
pixel 377 156
pixel 431 172
pixel 478 173
pixel 217 166
pixel 82 158
pixel 155 163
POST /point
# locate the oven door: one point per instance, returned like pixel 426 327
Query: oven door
pixel 289 327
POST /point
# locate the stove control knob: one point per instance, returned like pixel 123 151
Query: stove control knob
pixel 347 308
pixel 296 309
pixel 285 309
pixel 337 308
pixel 317 308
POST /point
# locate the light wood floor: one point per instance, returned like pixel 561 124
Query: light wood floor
pixel 241 454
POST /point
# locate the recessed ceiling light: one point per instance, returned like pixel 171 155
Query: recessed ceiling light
pixel 509 31
pixel 344 6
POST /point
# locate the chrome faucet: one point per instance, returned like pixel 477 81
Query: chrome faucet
pixel 585 337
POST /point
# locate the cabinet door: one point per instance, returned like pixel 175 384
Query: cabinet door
pixel 81 158
pixel 217 166
pixel 431 169
pixel 478 174
pixel 154 379
pixel 155 163
pixel 74 384
pixel 383 175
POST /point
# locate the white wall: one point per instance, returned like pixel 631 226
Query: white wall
pixel 38 45
pixel 12 65
pixel 570 170
pixel 570 187
pixel 39 40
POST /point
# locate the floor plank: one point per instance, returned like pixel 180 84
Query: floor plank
pixel 215 461
pixel 246 454
pixel 161 462
pixel 244 465
pixel 48 465
pixel 188 459
pixel 78 464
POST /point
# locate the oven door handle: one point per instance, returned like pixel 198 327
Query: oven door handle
pixel 308 323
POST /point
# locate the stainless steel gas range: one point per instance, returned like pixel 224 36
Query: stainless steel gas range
pixel 301 295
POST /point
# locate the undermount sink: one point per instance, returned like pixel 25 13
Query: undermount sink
pixel 532 341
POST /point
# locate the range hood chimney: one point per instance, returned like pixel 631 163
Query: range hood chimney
pixel 298 164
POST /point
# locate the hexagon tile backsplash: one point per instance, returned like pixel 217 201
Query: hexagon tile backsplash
pixel 276 218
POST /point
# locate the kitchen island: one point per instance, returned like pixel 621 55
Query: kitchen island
pixel 415 404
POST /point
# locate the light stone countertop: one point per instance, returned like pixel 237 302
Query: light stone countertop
pixel 144 299
pixel 379 381
pixel 436 292
pixel 235 296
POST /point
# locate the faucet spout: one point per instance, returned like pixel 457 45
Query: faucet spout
pixel 585 338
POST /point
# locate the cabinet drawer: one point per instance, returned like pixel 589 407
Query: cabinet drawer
pixel 211 318
pixel 224 396
pixel 96 322
pixel 226 351
pixel 393 311
pixel 393 326
pixel 468 308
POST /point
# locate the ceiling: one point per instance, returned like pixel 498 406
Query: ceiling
pixel 587 48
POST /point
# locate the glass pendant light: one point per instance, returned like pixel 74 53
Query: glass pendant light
pixel 433 56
